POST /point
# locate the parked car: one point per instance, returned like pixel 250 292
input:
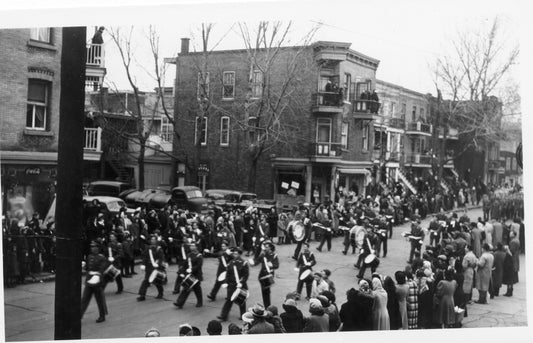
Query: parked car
pixel 109 188
pixel 186 197
pixel 189 197
pixel 217 197
pixel 146 198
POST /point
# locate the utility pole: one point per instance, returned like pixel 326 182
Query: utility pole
pixel 67 318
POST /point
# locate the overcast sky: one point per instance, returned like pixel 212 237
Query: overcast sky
pixel 406 36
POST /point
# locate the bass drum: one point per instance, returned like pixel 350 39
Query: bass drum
pixel 298 231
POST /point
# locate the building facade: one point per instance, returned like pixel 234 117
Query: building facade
pixel 30 63
pixel 330 142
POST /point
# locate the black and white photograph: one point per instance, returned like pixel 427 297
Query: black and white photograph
pixel 264 167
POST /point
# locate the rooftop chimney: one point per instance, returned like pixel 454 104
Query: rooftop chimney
pixel 185 45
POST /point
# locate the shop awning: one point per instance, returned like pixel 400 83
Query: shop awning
pixel 353 171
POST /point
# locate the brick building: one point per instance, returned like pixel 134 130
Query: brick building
pixel 331 140
pixel 30 65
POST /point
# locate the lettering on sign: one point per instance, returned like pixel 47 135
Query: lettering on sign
pixel 33 171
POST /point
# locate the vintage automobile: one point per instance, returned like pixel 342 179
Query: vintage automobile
pixel 109 188
pixel 186 197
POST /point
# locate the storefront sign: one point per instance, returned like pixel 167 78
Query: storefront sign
pixel 33 171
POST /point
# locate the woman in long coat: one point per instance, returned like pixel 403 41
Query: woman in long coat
pixel 484 273
pixel 425 300
pixel 510 275
pixel 380 314
pixel 392 304
pixel 283 222
pixel 497 273
pixel 402 291
pixel 445 314
pixel 469 264
pixel 412 301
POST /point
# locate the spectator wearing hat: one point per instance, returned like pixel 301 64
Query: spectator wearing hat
pixel 269 263
pixel 380 314
pixel 237 277
pixel 484 273
pixel 292 318
pixel 214 328
pixel 153 332
pixel 153 259
pixel 319 285
pixel 319 320
pixel 95 266
pixel 328 302
pixel 128 261
pixel 260 325
pixel 97 38
pixel 185 330
pixel 274 319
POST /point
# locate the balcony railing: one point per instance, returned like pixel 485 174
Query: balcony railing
pixel 325 149
pixel 452 133
pixel 366 106
pixel 93 139
pixel 386 156
pixel 417 159
pixel 419 127
pixel 95 55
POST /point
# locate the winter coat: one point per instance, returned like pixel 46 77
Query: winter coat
pixel 484 271
pixel 292 319
pixel 445 309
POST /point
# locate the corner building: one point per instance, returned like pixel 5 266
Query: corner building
pixel 332 143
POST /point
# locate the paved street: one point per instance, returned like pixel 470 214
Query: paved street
pixel 29 308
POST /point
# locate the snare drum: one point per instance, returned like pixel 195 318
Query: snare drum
pixel 222 277
pixel 266 281
pixel 306 275
pixel 189 282
pixel 157 277
pixel 370 258
pixel 239 296
pixel 111 272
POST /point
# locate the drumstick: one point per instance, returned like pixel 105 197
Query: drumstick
pixel 190 264
pixel 224 261
pixel 151 256
pixel 236 274
pixel 183 252
pixel 110 252
pixel 266 265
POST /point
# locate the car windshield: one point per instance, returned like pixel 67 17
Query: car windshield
pixel 115 206
pixel 215 196
pixel 194 194
pixel 249 197
pixel 232 197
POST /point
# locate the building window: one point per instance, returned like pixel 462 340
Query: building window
pixel 392 109
pixel 365 132
pixel 344 136
pixel 323 130
pixel 361 87
pixel 41 34
pixel 422 114
pixel 347 83
pixel 224 131
pixel 404 111
pixel 257 84
pixel 200 131
pixel 413 114
pixel 167 130
pixel 203 85
pixel 228 85
pixel 37 110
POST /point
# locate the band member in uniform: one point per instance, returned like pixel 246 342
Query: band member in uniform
pixel 153 259
pixel 418 234
pixel 183 251
pixel 238 272
pixel 367 249
pixel 435 229
pixel 194 271
pixel 306 261
pixel 382 236
pixel 95 266
pixel 115 254
pixel 223 261
pixel 300 220
pixel 269 263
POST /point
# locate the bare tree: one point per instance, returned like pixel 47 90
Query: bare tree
pixel 470 78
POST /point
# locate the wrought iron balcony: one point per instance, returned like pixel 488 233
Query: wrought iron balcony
pixel 414 158
pixel 366 109
pixel 328 102
pixel 419 128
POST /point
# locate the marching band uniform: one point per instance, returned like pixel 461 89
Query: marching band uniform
pixel 368 242
pixel 269 263
pixel 305 256
pixel 153 259
pixel 96 264
pixel 115 255
pixel 382 237
pixel 243 271
pixel 182 266
pixel 223 261
pixel 434 232
pixel 194 264
pixel 416 231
